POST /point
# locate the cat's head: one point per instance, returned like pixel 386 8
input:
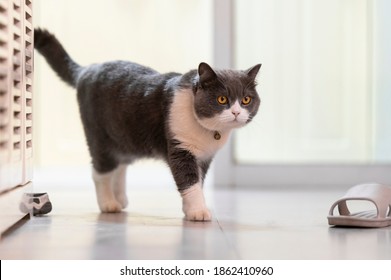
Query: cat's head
pixel 225 99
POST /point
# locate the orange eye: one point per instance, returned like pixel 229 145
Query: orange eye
pixel 246 100
pixel 222 100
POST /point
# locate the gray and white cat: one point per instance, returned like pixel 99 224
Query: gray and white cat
pixel 130 111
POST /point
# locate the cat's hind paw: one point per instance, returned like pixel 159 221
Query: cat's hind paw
pixel 201 215
pixel 111 206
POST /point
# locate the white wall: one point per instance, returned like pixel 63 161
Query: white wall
pixel 382 79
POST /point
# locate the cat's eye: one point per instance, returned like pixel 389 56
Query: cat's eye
pixel 246 100
pixel 222 100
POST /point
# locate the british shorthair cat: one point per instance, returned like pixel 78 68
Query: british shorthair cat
pixel 130 111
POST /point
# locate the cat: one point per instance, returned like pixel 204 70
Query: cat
pixel 130 111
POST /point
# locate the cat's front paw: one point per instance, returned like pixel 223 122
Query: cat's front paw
pixel 110 206
pixel 193 204
pixel 199 215
pixel 122 199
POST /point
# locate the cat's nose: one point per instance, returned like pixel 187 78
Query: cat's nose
pixel 235 109
pixel 235 113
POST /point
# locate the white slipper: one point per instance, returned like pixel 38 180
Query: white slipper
pixel 379 195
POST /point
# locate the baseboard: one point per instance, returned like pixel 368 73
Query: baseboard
pixel 10 214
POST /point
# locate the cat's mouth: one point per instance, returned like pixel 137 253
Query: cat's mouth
pixel 236 122
pixel 233 122
pixel 221 123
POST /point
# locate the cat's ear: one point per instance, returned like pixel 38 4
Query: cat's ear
pixel 206 73
pixel 253 71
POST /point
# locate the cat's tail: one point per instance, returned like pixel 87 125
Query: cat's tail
pixel 55 54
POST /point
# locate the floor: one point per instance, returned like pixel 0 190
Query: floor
pixel 264 224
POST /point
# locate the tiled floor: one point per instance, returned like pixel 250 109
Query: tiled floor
pixel 247 225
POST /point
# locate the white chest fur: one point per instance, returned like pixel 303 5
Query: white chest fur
pixel 186 129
